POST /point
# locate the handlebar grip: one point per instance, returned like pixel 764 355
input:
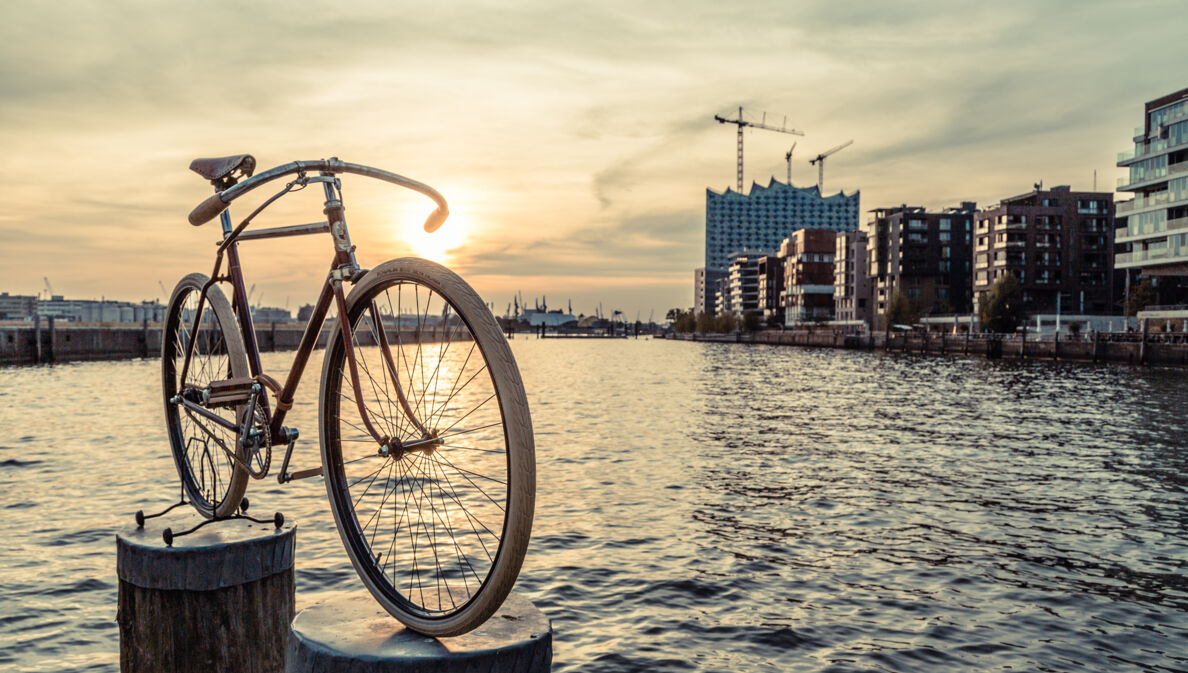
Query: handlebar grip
pixel 435 219
pixel 207 210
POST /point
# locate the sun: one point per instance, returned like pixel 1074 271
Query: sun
pixel 441 245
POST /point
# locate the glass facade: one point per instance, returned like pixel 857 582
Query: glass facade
pixel 762 219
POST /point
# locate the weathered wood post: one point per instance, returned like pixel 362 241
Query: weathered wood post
pixel 1056 347
pixel 144 336
pixel 350 633
pixel 218 599
pixel 1143 343
pixel 53 335
pixel 37 338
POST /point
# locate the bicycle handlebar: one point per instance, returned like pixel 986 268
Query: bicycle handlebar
pixel 208 209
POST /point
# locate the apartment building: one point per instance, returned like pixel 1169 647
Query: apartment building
pixel 1059 245
pixel 851 286
pixel 1152 232
pixel 771 283
pixel 808 275
pixel 742 282
pixel 925 256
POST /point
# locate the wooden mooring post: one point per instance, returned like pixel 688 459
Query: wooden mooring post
pixel 218 599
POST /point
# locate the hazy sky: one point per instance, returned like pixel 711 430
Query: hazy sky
pixel 575 143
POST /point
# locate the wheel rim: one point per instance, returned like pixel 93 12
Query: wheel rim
pixel 425 527
pixel 207 470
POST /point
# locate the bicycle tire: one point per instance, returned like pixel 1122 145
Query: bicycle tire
pixel 407 578
pixel 213 481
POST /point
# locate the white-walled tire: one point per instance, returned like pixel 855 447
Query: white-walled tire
pixel 436 533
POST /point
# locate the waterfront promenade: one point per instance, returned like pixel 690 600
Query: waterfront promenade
pixel 1121 347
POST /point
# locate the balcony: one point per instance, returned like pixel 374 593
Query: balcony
pixel 1125 234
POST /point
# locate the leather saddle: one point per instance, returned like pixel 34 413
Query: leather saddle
pixel 221 169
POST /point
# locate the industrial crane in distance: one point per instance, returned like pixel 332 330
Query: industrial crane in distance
pixel 742 123
pixel 788 158
pixel 820 162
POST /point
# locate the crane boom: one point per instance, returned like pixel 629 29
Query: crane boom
pixel 788 158
pixel 819 160
pixel 741 124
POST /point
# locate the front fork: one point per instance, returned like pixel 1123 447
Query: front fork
pixel 389 446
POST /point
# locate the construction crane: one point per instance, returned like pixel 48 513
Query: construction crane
pixel 49 289
pixel 820 162
pixel 788 158
pixel 742 123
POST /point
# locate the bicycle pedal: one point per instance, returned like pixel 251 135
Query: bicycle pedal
pixel 229 392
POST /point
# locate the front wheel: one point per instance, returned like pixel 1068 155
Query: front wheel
pixel 436 520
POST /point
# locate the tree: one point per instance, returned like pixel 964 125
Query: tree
pixel 1001 309
pixel 1141 297
pixel 726 323
pixel 752 320
pixel 901 310
pixel 705 322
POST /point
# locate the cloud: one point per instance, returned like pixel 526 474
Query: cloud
pixel 583 137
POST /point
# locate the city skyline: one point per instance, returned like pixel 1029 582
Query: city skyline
pixel 575 146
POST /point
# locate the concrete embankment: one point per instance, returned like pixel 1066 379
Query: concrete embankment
pixel 1123 348
pixel 52 341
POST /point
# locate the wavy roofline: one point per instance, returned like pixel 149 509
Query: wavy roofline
pixel 778 184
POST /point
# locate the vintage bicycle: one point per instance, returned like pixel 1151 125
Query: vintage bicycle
pixel 426 441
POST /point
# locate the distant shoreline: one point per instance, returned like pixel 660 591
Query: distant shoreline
pixel 1119 348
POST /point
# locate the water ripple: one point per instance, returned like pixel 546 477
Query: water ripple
pixel 710 507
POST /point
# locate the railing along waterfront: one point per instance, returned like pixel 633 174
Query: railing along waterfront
pixel 1163 348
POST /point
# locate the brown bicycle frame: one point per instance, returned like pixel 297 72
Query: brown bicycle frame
pixel 342 267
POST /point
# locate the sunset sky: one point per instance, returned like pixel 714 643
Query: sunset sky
pixel 575 143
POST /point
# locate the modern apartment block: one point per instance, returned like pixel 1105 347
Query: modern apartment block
pixel 808 275
pixel 705 284
pixel 743 282
pixel 771 284
pixel 763 218
pixel 926 256
pixel 1153 226
pixel 1057 242
pixel 851 286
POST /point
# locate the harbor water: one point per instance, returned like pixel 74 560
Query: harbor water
pixel 706 507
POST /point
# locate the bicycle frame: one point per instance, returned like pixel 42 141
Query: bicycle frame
pixel 343 268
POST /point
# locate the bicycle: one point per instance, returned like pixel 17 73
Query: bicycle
pixel 426 441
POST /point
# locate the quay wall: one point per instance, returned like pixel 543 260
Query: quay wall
pixel 1120 348
pixel 50 341
pixel 65 342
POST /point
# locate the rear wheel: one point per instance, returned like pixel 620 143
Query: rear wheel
pixel 436 521
pixel 204 452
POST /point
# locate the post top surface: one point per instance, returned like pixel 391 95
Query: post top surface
pixel 220 554
pixel 216 534
pixel 351 625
